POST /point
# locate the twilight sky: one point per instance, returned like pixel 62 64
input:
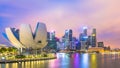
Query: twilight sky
pixel 104 15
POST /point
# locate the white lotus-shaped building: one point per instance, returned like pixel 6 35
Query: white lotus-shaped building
pixel 25 38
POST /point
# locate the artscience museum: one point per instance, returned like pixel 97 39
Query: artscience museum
pixel 26 38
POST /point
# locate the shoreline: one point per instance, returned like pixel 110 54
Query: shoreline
pixel 25 60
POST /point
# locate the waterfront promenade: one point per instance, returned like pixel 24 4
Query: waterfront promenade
pixel 71 60
pixel 27 58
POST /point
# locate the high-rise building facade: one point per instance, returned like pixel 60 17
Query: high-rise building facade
pixel 85 31
pixel 94 40
pixel 83 39
pixel 52 40
pixel 68 34
pixel 52 35
pixel 68 38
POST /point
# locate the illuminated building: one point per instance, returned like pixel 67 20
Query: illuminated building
pixel 25 38
pixel 94 38
pixel 83 39
pixel 68 39
pixel 85 31
pixel 68 34
pixel 96 49
pixel 75 44
pixel 89 41
pixel 52 41
pixel 52 35
pixel 100 44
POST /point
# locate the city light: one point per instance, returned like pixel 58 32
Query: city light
pixel 85 37
pixel 85 27
pixel 93 34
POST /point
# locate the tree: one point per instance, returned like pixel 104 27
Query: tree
pixel 3 49
pixel 10 49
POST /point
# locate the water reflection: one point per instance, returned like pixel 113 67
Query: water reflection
pixel 75 60
pixel 93 63
pixel 84 60
pixel 63 61
pixel 3 66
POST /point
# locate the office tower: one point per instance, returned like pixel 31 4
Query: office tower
pixel 89 41
pixel 78 45
pixel 100 44
pixel 48 36
pixel 68 38
pixel 52 35
pixel 52 40
pixel 83 39
pixel 94 38
pixel 85 31
pixel 68 34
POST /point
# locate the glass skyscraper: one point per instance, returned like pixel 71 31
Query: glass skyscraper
pixel 94 38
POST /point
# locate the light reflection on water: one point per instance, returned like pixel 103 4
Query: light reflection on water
pixel 75 60
pixel 93 63
pixel 84 61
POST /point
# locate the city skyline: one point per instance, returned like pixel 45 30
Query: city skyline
pixel 65 14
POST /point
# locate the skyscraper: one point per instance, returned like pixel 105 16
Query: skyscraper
pixel 52 35
pixel 83 39
pixel 52 41
pixel 94 38
pixel 85 31
pixel 48 36
pixel 68 38
pixel 89 41
pixel 68 34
